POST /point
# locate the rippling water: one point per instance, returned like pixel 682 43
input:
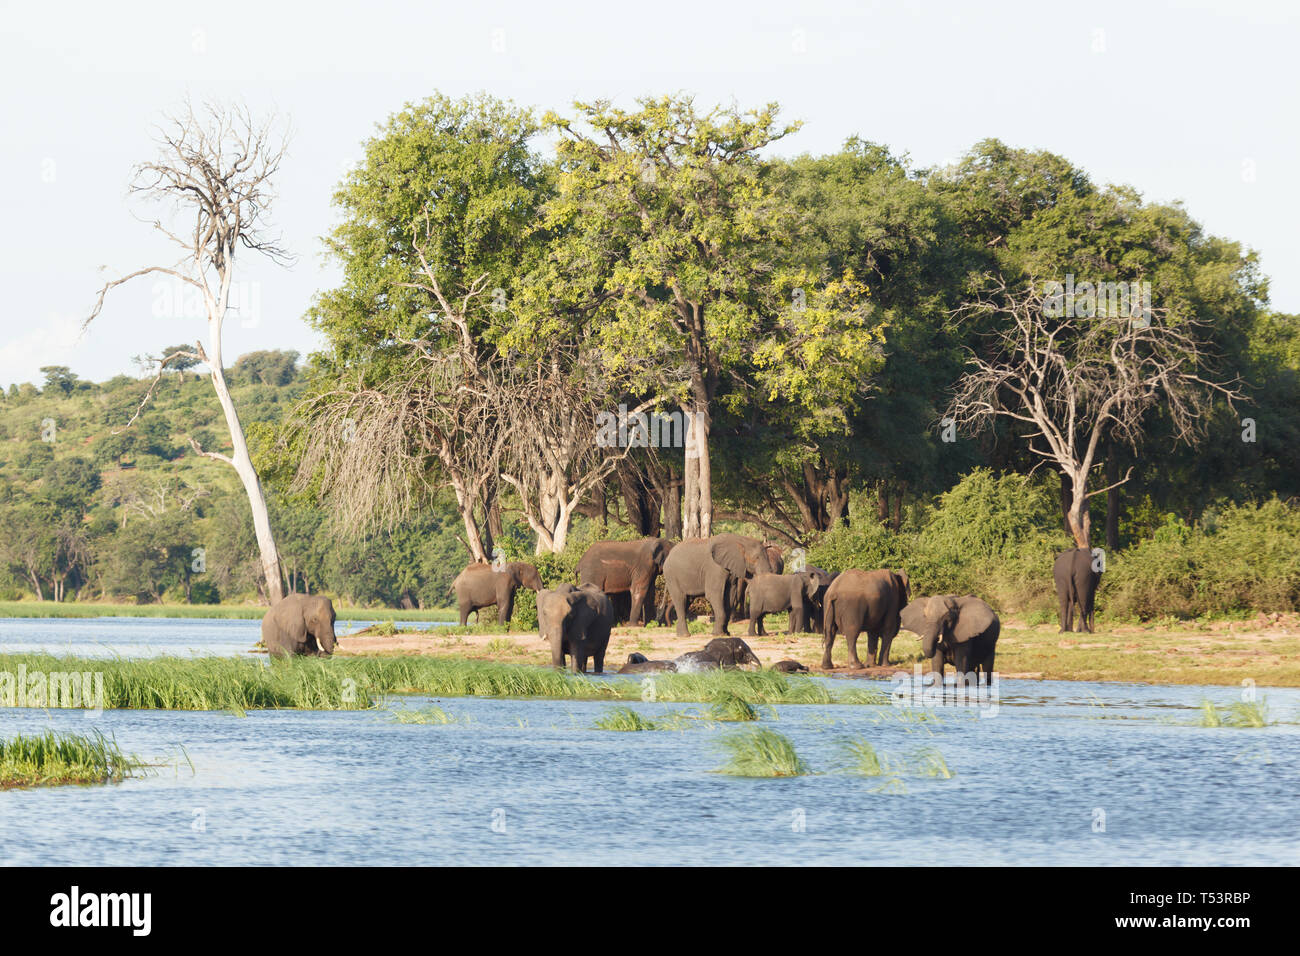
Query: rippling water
pixel 530 781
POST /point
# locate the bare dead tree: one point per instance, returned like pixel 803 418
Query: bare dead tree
pixel 1071 381
pixel 212 180
pixel 554 456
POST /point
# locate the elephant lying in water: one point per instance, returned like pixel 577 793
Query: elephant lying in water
pixel 725 653
pixel 299 624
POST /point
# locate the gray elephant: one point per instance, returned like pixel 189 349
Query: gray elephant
pixel 725 653
pixel 299 624
pixel 739 598
pixel 813 623
pixel 576 621
pixel 1077 575
pixel 962 631
pixel 712 567
pixel 640 664
pixel 864 600
pixel 481 585
pixel 626 567
pixel 772 593
pixel 788 666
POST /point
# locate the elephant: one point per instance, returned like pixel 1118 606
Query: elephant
pixel 630 567
pixel 813 622
pixel 770 593
pixel 775 559
pixel 640 664
pixel 576 621
pixel 726 653
pixel 962 631
pixel 299 624
pixel 789 667
pixel 482 585
pixel 1077 578
pixel 864 600
pixel 712 567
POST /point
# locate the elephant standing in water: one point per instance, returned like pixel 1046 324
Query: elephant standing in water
pixel 481 585
pixel 626 567
pixel 299 624
pixel 576 621
pixel 962 631
pixel 1077 573
pixel 862 600
pixel 712 567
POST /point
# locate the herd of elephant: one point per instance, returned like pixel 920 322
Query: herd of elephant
pixel 734 572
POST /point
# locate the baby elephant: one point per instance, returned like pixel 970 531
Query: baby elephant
pixel 299 624
pixel 640 664
pixel 770 593
pixel 576 621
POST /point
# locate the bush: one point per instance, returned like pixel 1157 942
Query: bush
pixel 1238 558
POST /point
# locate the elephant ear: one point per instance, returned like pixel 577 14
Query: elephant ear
pixel 810 584
pixel 659 552
pixel 975 618
pixel 728 554
pixel 912 617
pixel 904 586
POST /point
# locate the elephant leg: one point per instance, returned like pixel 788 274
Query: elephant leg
pixel 753 625
pixel 557 654
pixel 679 605
pixel 851 639
pixel 885 644
pixel 505 607
pixel 637 611
pixel 721 609
pixel 598 659
pixel 873 641
pixel 465 608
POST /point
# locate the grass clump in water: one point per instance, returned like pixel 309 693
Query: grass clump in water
pixel 1242 715
pixel 761 753
pixel 426 715
pixel 731 708
pixel 50 759
pixel 864 760
pixel 928 762
pixel 624 718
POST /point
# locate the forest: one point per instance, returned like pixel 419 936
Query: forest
pixel 877 364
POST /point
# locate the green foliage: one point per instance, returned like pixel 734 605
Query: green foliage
pixel 1237 558
pixel 51 758
pixel 761 753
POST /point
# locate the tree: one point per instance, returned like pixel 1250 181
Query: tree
pixel 1070 381
pixel 666 227
pixel 59 377
pixel 179 358
pixel 439 225
pixel 216 167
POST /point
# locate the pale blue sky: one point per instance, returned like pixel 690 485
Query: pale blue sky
pixel 1191 101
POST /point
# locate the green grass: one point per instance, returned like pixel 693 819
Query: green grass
pixel 761 753
pixel 625 719
pixel 427 715
pixel 1242 715
pixel 352 683
pixel 51 759
pixel 51 609
pixel 862 758
pixel 732 708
